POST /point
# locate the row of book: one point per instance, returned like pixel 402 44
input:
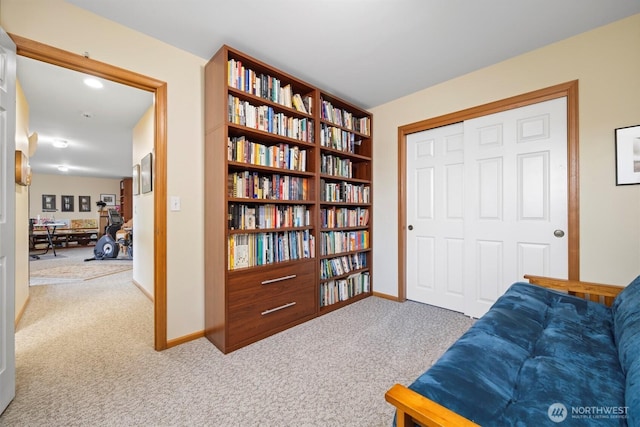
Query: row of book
pixel 338 139
pixel 338 266
pixel 344 118
pixel 252 217
pixel 344 217
pixel 251 250
pixel 283 156
pixel 335 291
pixel 254 185
pixel 265 118
pixel 336 242
pixel 265 86
pixel 336 166
pixel 344 192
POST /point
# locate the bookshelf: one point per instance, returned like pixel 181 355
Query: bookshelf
pixel 126 198
pixel 287 201
pixel 345 204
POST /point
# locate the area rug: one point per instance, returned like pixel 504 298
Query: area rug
pixel 50 255
pixel 79 272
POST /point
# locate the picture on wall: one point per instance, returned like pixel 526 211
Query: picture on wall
pixel 48 203
pixel 67 203
pixel 109 199
pixel 146 174
pixel 84 203
pixel 136 180
pixel 628 155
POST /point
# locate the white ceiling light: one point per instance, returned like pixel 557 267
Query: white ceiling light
pixel 60 143
pixel 94 83
pixel 63 168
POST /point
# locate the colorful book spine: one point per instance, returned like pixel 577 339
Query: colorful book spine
pixel 251 250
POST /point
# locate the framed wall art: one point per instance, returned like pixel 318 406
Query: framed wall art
pixel 135 180
pixel 84 203
pixel 146 174
pixel 49 203
pixel 628 155
pixel 66 203
pixel 109 199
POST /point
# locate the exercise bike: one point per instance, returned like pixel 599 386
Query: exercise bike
pixel 108 246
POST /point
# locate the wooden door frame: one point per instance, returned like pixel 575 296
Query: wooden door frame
pixel 52 55
pixel 568 90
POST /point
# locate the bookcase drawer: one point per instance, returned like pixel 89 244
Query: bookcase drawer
pixel 252 285
pixel 263 316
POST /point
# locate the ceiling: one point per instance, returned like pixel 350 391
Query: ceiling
pixel 368 52
pixel 96 123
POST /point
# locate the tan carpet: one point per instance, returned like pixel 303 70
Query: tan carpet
pixel 69 266
pixel 85 357
pixel 87 271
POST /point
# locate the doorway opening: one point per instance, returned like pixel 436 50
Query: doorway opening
pixel 568 90
pixel 41 52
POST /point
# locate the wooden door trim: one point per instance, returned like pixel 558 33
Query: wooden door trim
pixel 52 55
pixel 568 90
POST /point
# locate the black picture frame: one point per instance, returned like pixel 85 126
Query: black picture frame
pixel 49 203
pixel 146 174
pixel 66 203
pixel 628 155
pixel 84 203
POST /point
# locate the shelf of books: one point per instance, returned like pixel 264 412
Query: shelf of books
pixel 287 191
pixel 345 204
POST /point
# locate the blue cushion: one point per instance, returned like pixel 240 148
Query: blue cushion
pixel 626 321
pixel 534 348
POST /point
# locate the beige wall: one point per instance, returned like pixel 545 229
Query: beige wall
pixel 65 26
pixel 22 207
pixel 72 186
pixel 143 134
pixel 606 61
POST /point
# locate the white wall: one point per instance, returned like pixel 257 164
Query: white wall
pixel 607 63
pixel 72 186
pixel 65 26
pixel 143 272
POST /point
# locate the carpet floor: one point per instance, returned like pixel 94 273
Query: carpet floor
pixel 69 266
pixel 85 357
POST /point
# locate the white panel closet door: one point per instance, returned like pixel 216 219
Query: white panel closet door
pixel 517 200
pixel 486 204
pixel 435 212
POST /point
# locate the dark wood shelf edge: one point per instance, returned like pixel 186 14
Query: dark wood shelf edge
pixel 264 266
pixel 329 308
pixel 270 230
pixel 251 166
pixel 356 228
pixel 270 201
pixel 342 276
pixel 344 253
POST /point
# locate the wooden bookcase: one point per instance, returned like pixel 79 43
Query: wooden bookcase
pixel 265 196
pixel 126 198
pixel 345 205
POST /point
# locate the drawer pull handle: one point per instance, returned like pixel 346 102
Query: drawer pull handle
pixel 271 310
pixel 279 279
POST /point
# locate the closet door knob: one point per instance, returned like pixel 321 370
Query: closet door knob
pixel 411 227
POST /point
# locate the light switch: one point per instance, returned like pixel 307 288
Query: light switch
pixel 175 203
